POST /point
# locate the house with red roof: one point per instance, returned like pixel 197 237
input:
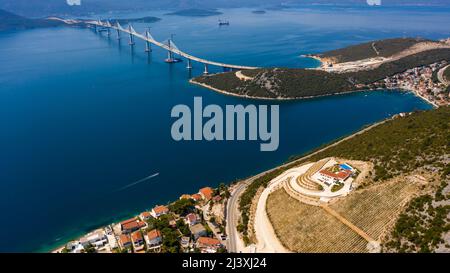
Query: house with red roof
pixel 196 197
pixel 132 225
pixel 191 219
pixel 146 215
pixel 153 238
pixel 138 241
pixel 159 210
pixel 206 193
pixel 208 245
pixel 124 241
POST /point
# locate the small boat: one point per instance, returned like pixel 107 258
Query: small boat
pixel 223 23
pixel 173 60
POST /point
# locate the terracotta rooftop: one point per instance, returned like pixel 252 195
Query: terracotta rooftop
pixel 153 234
pixel 124 239
pixel 206 241
pixel 207 192
pixel 339 175
pixel 136 236
pixel 160 209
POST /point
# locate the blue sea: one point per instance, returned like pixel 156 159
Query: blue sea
pixel 82 116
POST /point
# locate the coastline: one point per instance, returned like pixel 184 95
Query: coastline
pixel 192 81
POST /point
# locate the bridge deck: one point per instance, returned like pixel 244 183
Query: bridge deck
pixel 167 47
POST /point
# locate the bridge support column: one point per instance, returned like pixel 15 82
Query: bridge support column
pixel 206 69
pixel 95 28
pixel 131 43
pixel 118 34
pixel 169 55
pixel 189 64
pixel 148 47
pixel 108 32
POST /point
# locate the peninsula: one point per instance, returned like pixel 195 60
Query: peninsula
pixel 385 64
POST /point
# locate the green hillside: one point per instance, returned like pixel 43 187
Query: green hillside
pixel 399 146
pixel 10 21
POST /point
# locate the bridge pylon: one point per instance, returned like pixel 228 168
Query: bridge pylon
pixel 189 64
pixel 206 72
pixel 131 42
pixel 118 30
pixel 148 47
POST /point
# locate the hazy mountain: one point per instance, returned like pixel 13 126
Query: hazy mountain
pixel 57 7
pixel 11 21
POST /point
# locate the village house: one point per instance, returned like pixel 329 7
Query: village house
pixel 191 219
pixel 159 210
pixel 138 241
pixel 196 197
pixel 132 225
pixel 198 230
pixel 206 193
pixel 208 245
pixel 185 242
pixel 153 239
pixel 185 196
pixel 146 215
pixel 124 241
pixel 96 238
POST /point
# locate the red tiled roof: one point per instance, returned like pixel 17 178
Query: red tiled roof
pixel 160 209
pixel 339 175
pixel 191 217
pixel 153 234
pixel 136 236
pixel 206 241
pixel 132 224
pixel 146 214
pixel 207 192
pixel 196 197
pixel 124 239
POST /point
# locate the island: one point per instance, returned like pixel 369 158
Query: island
pixel 385 64
pixel 147 20
pixel 195 13
pixel 259 12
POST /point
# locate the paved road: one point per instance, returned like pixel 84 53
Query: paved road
pixel 234 243
pixel 440 75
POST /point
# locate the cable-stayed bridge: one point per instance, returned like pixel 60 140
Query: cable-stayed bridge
pixel 149 40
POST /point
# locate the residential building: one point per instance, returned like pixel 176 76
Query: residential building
pixel 132 225
pixel 124 241
pixel 96 238
pixel 159 210
pixel 192 219
pixel 146 215
pixel 196 197
pixel 153 238
pixel 198 230
pixel 208 245
pixel 138 241
pixel 206 193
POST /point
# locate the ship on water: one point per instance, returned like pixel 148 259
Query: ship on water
pixel 223 23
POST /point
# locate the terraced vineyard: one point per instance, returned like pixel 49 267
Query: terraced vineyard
pixel 305 180
pixel 305 228
pixel 374 208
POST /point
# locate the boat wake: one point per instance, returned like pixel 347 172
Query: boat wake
pixel 137 182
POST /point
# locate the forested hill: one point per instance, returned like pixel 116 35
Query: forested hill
pixel 382 48
pixel 11 21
